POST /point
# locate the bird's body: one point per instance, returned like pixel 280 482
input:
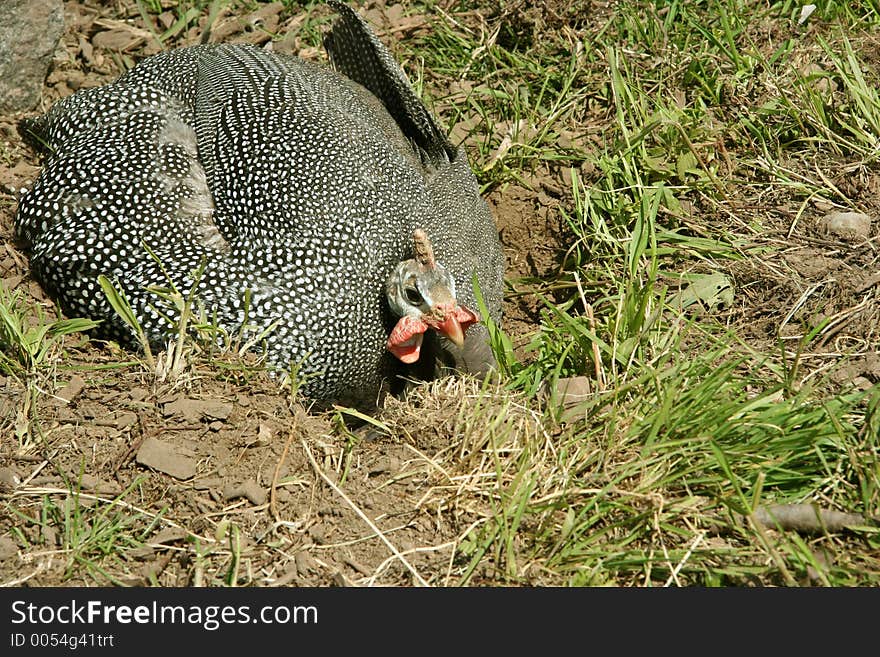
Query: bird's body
pixel 293 188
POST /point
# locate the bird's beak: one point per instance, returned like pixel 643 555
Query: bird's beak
pixel 451 328
pixel 452 321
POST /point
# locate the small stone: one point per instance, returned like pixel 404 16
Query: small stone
pixel 125 419
pixel 138 394
pixel 9 480
pixel 193 410
pixel 168 535
pixel 851 226
pixel 49 535
pixel 93 484
pixel 572 395
pixel 69 392
pixel 862 383
pixel 264 436
pixel 11 282
pixel 216 410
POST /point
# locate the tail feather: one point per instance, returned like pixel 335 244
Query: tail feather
pixel 357 53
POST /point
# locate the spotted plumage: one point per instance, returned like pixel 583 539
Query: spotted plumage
pixel 292 188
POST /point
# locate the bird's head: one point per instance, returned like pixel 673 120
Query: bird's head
pixel 421 293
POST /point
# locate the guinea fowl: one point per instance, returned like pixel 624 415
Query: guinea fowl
pixel 322 211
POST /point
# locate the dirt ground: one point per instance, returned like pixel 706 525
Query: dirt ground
pixel 227 478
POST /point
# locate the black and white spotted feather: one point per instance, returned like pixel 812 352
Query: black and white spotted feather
pixel 295 187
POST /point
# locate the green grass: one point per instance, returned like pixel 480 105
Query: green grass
pixel 29 338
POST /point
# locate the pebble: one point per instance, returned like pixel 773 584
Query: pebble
pixel 853 226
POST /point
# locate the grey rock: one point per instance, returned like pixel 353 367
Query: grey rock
pixel 29 33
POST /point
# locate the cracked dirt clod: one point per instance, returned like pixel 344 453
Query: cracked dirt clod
pixel 8 548
pixel 164 457
pixel 9 480
pixel 125 419
pixel 168 535
pixel 93 484
pixel 250 490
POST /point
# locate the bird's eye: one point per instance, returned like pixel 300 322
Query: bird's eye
pixel 413 296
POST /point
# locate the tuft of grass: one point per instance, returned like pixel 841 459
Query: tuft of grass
pixel 190 329
pixel 30 340
pixel 656 483
pixel 525 99
pixel 90 534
